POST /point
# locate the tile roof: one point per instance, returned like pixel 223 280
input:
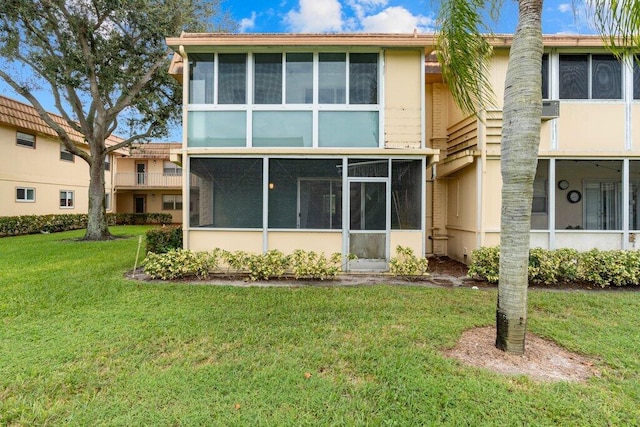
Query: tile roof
pixel 153 150
pixel 25 117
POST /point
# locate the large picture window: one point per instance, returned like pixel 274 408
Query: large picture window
pixel 232 78
pixel 586 76
pixel 201 78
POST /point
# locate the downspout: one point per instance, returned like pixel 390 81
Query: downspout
pixel 186 173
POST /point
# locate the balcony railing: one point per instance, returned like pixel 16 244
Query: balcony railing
pixel 143 180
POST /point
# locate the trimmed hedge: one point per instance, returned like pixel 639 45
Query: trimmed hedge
pixel 162 240
pixel 33 224
pixel 550 267
pixel 183 263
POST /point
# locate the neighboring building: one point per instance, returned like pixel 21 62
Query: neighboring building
pixel 146 181
pixel 37 175
pixel 352 144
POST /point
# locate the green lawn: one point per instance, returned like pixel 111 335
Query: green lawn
pixel 82 345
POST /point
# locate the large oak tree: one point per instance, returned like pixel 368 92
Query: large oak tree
pixel 105 64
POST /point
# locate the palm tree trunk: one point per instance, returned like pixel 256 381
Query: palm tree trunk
pixel 519 153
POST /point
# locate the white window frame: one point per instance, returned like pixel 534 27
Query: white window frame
pixel 315 108
pixel 26 137
pixel 177 198
pixel 69 196
pixel 26 198
pixel 64 151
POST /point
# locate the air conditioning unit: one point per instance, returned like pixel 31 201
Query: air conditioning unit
pixel 550 109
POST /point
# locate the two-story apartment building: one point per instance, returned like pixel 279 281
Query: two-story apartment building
pixel 586 192
pixel 352 143
pixel 146 181
pixel 37 175
pixel 316 142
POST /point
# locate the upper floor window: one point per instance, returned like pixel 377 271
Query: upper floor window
pixel 107 162
pixel 170 168
pixel 201 78
pixel 590 76
pixel 636 78
pixel 232 78
pixel 66 154
pixel 267 78
pixel 545 76
pixel 299 78
pixel 277 78
pixel 26 139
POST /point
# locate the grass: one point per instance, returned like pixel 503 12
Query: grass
pixel 82 345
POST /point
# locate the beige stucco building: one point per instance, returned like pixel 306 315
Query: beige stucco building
pixel 352 144
pixel 37 175
pixel 146 181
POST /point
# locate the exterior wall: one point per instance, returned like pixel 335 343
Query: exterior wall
pixel 409 239
pixel 42 169
pixel 403 106
pixel 287 242
pixel 575 133
pixel 240 240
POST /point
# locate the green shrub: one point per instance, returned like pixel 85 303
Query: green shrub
pixel 162 239
pixel 485 264
pixel 32 224
pixel 178 264
pixel 550 267
pixel 407 265
pixel 314 265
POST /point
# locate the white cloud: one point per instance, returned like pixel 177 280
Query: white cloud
pixel 247 23
pixel 363 7
pixel 564 7
pixel 396 19
pixel 315 16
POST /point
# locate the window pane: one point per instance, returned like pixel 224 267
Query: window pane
pixel 217 129
pixel 228 193
pixel 282 128
pixel 636 79
pixel 332 79
pixel 299 78
pixel 232 78
pixel 305 194
pixel 574 77
pixel 406 194
pixel 545 76
pixel 363 78
pixel 348 129
pixel 606 77
pixel 540 206
pixel 31 194
pixel 25 139
pixel 368 168
pixel 170 168
pixel 634 195
pixel 107 162
pixel 201 78
pixel 21 193
pixel 268 78
pixel 66 155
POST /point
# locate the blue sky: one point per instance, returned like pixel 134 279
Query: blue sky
pixel 375 16
pixel 386 16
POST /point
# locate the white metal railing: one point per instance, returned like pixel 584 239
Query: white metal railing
pixel 148 180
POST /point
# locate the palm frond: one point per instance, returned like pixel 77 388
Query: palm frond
pixel 464 52
pixel 617 21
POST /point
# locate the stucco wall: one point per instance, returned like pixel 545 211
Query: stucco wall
pixel 403 114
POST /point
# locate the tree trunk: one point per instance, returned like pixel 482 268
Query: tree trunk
pixel 519 153
pixel 97 228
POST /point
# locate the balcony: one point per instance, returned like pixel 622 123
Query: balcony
pixel 147 180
